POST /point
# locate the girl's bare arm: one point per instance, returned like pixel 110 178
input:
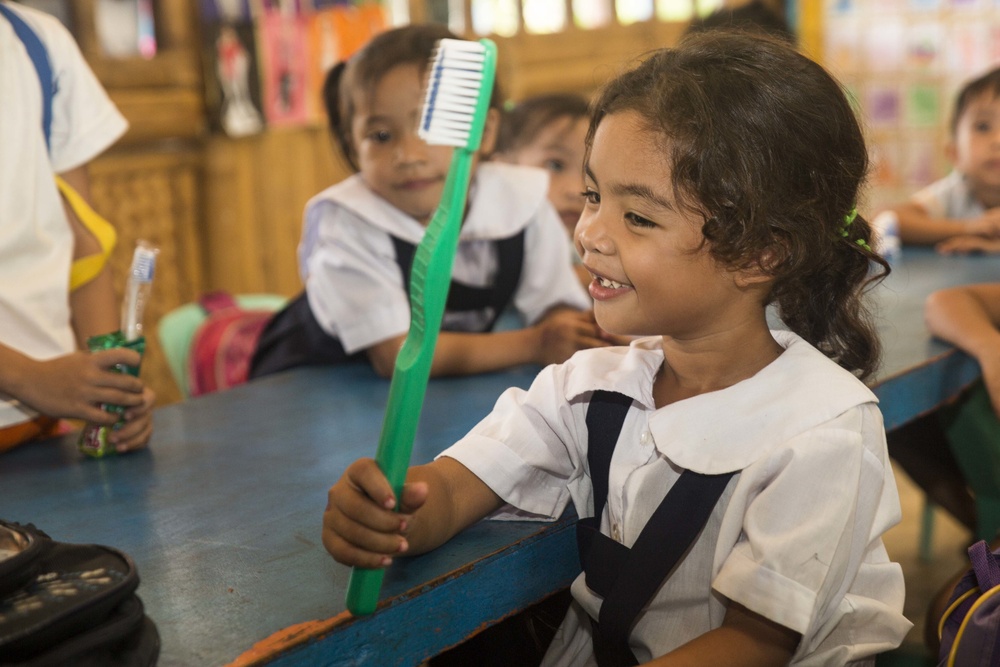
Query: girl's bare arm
pixel 746 639
pixel 554 339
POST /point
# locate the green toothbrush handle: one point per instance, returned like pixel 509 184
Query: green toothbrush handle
pixel 429 291
pixel 393 458
pixel 363 590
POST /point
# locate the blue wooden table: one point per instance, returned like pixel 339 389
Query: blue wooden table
pixel 222 513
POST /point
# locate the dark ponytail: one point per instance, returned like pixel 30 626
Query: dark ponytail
pixel 822 298
pixel 331 100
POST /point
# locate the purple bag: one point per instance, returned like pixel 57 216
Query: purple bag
pixel 970 627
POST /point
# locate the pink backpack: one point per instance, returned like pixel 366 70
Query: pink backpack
pixel 224 343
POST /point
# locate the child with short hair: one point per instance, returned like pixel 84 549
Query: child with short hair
pixel 360 235
pixel 959 213
pixel 700 213
pixel 548 132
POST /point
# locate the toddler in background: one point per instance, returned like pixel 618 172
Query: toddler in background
pixel 548 132
pixel 733 481
pixel 360 235
pixel 959 214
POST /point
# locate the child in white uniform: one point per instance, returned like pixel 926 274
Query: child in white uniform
pixel 961 212
pixel 701 212
pixel 549 132
pixel 44 372
pixel 359 237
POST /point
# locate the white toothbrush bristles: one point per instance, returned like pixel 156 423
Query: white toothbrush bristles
pixel 453 87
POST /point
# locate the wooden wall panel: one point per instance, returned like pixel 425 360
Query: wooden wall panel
pixel 576 61
pixel 255 191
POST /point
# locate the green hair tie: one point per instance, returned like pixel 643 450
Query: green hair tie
pixel 848 220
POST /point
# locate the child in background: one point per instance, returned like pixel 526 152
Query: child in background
pixel 969 318
pixel 700 213
pixel 359 238
pixel 45 372
pixel 548 132
pixel 959 213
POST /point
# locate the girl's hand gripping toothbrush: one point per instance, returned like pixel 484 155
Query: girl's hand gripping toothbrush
pixel 458 95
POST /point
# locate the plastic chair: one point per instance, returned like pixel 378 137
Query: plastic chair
pixel 176 331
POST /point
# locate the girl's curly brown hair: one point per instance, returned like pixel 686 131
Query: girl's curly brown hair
pixel 764 145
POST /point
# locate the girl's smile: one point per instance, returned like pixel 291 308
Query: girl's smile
pixel 603 289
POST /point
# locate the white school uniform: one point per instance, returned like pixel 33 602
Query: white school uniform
pixel 949 197
pixel 796 536
pixel 354 285
pixel 36 242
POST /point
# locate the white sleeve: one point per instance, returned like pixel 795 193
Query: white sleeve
pixel 547 276
pixel 354 285
pixel 84 120
pixel 813 516
pixel 528 448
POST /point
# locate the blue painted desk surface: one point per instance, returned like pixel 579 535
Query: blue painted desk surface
pixel 222 513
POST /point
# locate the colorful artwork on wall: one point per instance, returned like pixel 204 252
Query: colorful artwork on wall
pixel 265 60
pixel 907 59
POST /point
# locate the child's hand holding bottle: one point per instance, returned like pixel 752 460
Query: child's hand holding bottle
pixel 132 423
pixel 74 385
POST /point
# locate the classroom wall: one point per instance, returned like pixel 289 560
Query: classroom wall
pixel 903 60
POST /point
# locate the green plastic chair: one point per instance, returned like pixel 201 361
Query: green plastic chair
pixel 973 432
pixel 176 331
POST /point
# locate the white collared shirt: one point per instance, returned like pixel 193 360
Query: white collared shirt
pixel 796 536
pixel 355 287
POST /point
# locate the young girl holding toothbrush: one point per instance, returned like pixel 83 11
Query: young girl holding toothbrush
pixel 359 238
pixel 721 177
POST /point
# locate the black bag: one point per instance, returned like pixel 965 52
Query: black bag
pixel 66 604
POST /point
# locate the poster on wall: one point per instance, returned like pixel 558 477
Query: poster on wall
pixel 232 90
pixel 882 105
pixel 265 61
pixel 912 56
pixel 327 49
pixel 284 69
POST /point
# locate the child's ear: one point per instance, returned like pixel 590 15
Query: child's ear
pixel 760 272
pixel 490 129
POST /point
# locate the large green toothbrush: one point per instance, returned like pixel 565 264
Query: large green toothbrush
pixel 454 113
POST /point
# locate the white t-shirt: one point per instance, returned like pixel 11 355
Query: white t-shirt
pixel 36 242
pixel 355 287
pixel 796 536
pixel 949 197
